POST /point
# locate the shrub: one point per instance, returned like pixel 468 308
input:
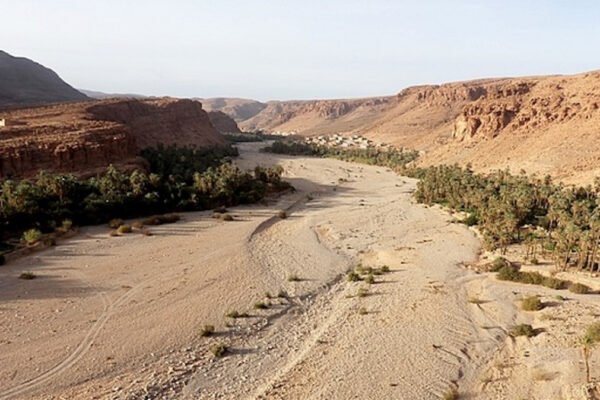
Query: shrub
pixel 385 269
pixel 578 288
pixel 282 294
pixel 499 263
pixel 236 314
pixel 115 223
pixel 207 330
pixel 553 283
pixel 508 273
pixel 218 350
pixel 227 217
pixel 27 276
pixel 362 311
pixel 293 278
pixel 532 303
pixel 31 236
pixel 352 276
pixel 592 334
pixel 370 279
pixel 451 394
pixel 124 229
pixel 522 330
pixel 260 305
pixel 138 225
pixel 282 214
pixel 362 292
pixel 66 225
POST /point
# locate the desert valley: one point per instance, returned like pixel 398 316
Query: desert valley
pixel 437 243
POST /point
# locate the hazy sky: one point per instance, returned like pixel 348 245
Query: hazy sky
pixel 292 49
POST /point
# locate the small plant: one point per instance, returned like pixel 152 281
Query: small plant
pixel 534 261
pixel 138 225
pixel 260 305
pixel 115 223
pixel 124 229
pixel 268 295
pixel 207 330
pixel 522 330
pixel 362 311
pixel 309 197
pixel 476 300
pixel 66 225
pixel 592 334
pixel 385 269
pixel 227 217
pixel 579 288
pixel 31 236
pixel 532 303
pixel 499 263
pixel 220 210
pixel 233 314
pixel 282 294
pixel 362 292
pixel 559 297
pixel 370 279
pixel 293 278
pixel 352 276
pixel 451 394
pixel 218 350
pixel 27 276
pixel 282 214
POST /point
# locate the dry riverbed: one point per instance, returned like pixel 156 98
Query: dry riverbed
pixel 119 317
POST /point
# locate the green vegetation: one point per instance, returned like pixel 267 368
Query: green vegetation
pixel 207 330
pixel 27 276
pixel 531 303
pixel 31 236
pixel 512 273
pixel 451 394
pixel 180 179
pixel 522 330
pixel 293 278
pixel 519 209
pixel 235 314
pixel 124 229
pixel 352 276
pixel 579 288
pixel 592 334
pixel 390 158
pixel 249 137
pixel 219 350
pixel 261 305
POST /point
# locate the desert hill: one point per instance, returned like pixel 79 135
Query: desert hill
pixel 85 137
pixel 238 109
pixel 23 81
pixel 223 122
pixel 544 124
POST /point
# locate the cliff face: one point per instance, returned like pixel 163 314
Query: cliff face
pixel 86 137
pixel 23 81
pixel 545 124
pixel 223 123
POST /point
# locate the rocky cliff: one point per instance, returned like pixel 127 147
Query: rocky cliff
pixel 23 81
pixel 223 122
pixel 86 137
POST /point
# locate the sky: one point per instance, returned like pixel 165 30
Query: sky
pixel 298 49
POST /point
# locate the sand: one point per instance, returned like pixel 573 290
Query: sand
pixel 120 317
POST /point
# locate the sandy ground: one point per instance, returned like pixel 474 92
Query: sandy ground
pixel 120 317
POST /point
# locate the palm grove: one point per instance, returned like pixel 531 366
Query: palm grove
pixel 561 221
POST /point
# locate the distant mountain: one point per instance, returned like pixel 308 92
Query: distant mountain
pixel 238 109
pixel 23 81
pixel 94 94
